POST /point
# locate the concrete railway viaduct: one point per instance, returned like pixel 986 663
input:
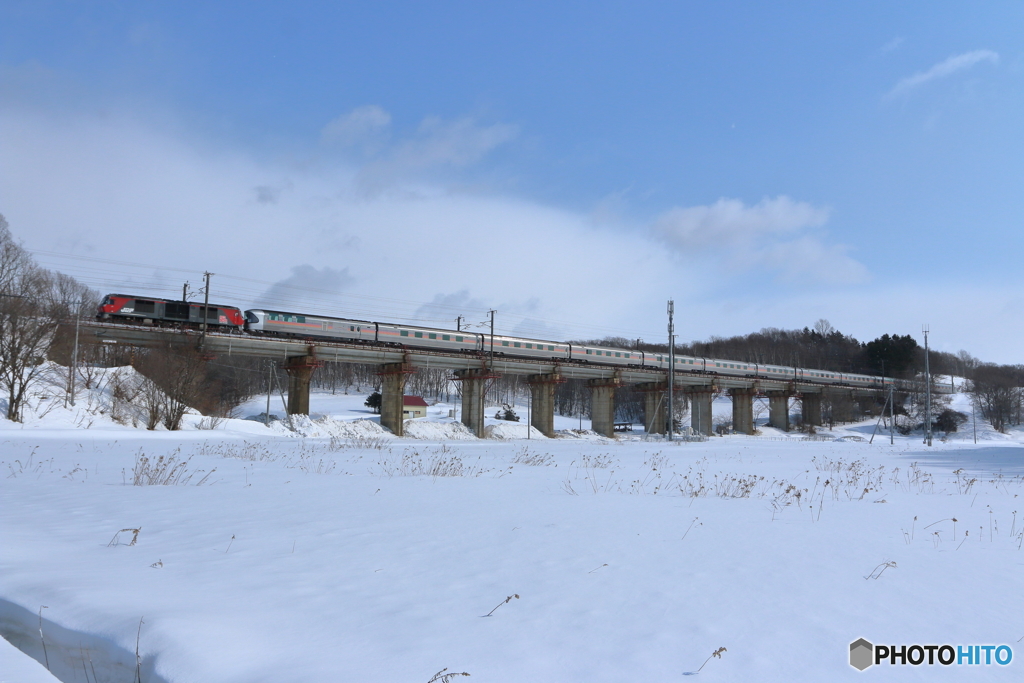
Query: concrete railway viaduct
pixel 300 357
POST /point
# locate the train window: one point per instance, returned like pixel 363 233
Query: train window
pixel 458 339
pixel 588 352
pixel 504 343
pixel 176 311
pixel 351 328
pixel 419 335
pixel 516 344
pixel 301 318
pixel 446 337
pixel 142 306
pixel 551 348
pixel 529 346
pixel 433 336
pixel 404 333
pixel 618 355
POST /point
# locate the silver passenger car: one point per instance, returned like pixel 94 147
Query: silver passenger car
pixel 305 325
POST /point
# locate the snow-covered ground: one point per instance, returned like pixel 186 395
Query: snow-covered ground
pixel 336 552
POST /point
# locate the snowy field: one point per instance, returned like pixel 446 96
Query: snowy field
pixel 336 552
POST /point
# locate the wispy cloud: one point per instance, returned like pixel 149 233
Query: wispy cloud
pixel 458 143
pixel 389 158
pixel 943 69
pixel 774 235
pixel 731 221
pixel 363 126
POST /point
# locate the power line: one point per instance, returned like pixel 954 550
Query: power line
pixel 353 304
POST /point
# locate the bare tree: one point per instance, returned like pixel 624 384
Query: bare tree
pixel 177 382
pixel 996 390
pixel 33 302
pixel 26 323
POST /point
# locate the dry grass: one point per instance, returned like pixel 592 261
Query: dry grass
pixel 166 470
pixel 524 457
pixel 442 677
pixel 431 462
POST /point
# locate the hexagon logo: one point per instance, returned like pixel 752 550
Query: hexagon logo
pixel 861 654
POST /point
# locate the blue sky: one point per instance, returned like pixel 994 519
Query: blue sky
pixel 763 164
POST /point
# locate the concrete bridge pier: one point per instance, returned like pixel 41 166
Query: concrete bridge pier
pixel 700 409
pixel 602 405
pixel 811 409
pixel 542 402
pixel 300 370
pixel 867 405
pixel 655 406
pixel 743 410
pixel 474 387
pixel 778 409
pixel 392 394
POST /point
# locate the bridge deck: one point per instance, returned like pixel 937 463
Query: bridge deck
pixel 282 348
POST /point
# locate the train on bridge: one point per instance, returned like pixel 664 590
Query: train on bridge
pixel 162 312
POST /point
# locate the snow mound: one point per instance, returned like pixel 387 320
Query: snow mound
pixel 305 426
pixel 512 430
pixel 437 431
pixel 582 435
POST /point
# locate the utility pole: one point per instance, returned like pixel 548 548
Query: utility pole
pixel 74 352
pixel 458 324
pixel 974 421
pixel 270 389
pixel 206 309
pixel 529 415
pixel 928 392
pixel 184 292
pixel 671 368
pixel 491 313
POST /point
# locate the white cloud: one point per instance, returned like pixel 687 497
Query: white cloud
pixel 362 126
pixel 944 69
pixel 809 260
pixel 772 235
pixel 730 221
pixel 460 143
pixel 436 145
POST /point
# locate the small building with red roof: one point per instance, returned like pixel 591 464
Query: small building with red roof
pixel 413 406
